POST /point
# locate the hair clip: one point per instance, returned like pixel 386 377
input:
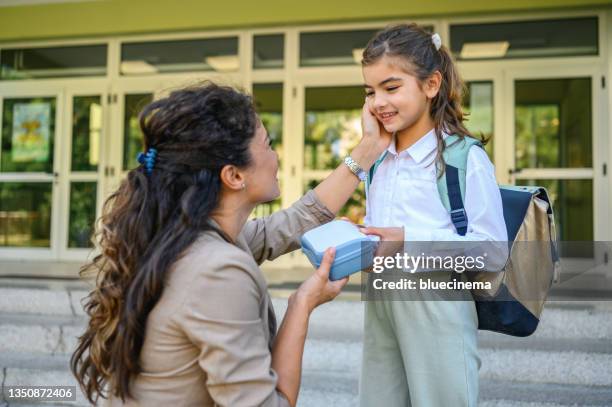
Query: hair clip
pixel 148 159
pixel 437 41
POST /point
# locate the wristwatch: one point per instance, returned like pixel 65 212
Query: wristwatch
pixel 355 168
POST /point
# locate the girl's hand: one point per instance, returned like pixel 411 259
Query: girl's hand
pixel 317 289
pixel 374 141
pixel 393 239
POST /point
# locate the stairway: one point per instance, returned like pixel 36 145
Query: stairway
pixel 568 361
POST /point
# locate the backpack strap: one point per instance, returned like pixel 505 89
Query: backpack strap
pixel 373 168
pixel 457 210
pixel 451 185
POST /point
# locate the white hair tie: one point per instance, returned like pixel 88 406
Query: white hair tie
pixel 437 41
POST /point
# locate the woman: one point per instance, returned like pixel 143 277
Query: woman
pixel 181 315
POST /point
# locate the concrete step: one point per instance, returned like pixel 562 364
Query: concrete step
pixel 560 320
pixel 571 368
pixel 41 301
pixel 58 334
pixel 35 361
pixel 54 334
pixel 332 388
pixel 49 322
pixel 38 339
pixel 548 362
pixel 566 362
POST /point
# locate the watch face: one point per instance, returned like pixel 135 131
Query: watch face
pixel 362 175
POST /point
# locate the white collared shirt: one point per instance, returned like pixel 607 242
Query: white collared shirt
pixel 404 193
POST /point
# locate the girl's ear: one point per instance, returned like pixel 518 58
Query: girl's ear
pixel 432 85
pixel 231 178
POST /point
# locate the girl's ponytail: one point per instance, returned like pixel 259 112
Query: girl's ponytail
pixel 446 109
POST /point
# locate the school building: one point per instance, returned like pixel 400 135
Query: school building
pixel 73 75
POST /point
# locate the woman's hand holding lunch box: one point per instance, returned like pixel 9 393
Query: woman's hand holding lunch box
pixel 318 289
pixel 353 249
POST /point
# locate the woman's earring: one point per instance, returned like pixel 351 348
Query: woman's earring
pixel 243 185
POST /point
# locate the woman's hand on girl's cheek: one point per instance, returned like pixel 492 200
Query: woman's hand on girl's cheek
pixel 369 122
pixel 382 129
pixel 373 130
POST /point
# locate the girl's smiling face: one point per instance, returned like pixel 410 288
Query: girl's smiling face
pixel 396 98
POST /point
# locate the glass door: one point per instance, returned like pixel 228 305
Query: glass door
pixel 29 171
pixel 332 128
pixel 126 102
pixel 483 111
pixel 329 127
pixel 268 100
pixel 83 168
pixel 558 143
pixel 554 136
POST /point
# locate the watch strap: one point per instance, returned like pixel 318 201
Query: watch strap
pixel 355 168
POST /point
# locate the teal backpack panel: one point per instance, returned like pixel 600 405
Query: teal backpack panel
pixel 455 155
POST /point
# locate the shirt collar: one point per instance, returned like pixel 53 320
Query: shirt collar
pixel 419 150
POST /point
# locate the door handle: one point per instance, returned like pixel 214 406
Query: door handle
pixel 512 172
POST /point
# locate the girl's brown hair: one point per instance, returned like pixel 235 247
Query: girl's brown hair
pixel 149 222
pixel 417 53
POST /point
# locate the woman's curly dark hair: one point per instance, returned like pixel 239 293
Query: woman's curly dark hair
pixel 151 220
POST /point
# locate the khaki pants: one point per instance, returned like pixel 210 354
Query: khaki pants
pixel 420 354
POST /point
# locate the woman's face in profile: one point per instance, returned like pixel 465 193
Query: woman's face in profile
pixel 262 177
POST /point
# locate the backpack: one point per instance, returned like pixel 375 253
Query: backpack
pixel 514 303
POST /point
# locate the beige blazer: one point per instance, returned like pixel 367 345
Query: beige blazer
pixel 208 340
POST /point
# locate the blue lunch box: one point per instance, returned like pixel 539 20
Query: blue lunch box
pixel 354 250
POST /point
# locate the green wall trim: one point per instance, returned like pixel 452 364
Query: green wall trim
pixel 114 17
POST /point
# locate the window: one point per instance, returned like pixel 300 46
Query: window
pixel 553 123
pixel 336 47
pixel 268 51
pixel 53 62
pixel 478 107
pixel 133 141
pixel 86 131
pixel 333 47
pixel 211 54
pixel 268 100
pixel 28 134
pixel 25 214
pixel 525 39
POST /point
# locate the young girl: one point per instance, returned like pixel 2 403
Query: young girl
pixel 421 353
